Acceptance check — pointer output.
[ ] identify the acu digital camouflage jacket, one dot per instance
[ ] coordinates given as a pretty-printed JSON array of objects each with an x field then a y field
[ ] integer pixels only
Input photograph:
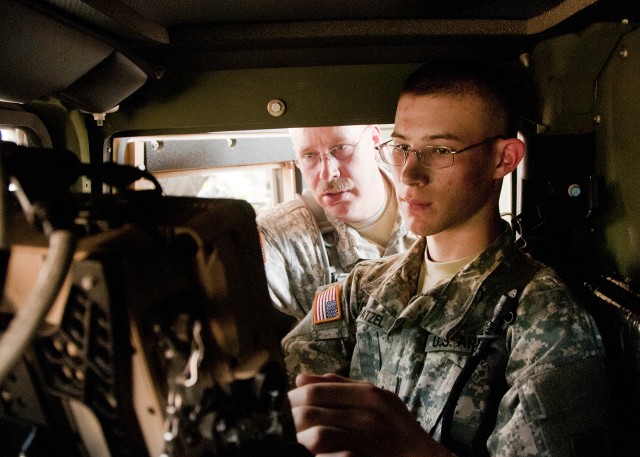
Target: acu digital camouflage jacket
[{"x": 550, "y": 362}]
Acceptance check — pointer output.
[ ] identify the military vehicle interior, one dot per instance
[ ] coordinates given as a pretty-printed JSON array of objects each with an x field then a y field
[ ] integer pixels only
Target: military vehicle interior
[{"x": 113, "y": 341}]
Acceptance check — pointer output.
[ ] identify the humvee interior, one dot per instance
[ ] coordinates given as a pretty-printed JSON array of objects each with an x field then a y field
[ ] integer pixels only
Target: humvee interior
[{"x": 134, "y": 318}]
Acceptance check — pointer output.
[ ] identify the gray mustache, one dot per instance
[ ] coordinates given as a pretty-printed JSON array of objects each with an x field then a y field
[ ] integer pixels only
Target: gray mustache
[{"x": 335, "y": 185}]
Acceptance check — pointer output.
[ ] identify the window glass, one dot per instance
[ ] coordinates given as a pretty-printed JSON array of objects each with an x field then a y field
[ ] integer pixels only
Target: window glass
[
  {"x": 13, "y": 135},
  {"x": 249, "y": 165},
  {"x": 254, "y": 184}
]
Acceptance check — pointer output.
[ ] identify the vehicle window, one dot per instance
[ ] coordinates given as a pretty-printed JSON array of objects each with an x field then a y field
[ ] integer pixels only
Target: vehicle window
[
  {"x": 261, "y": 185},
  {"x": 250, "y": 165},
  {"x": 13, "y": 135}
]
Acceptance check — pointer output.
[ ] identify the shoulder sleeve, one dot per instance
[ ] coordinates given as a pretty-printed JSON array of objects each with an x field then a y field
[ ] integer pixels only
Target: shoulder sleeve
[
  {"x": 322, "y": 342},
  {"x": 277, "y": 278},
  {"x": 292, "y": 259},
  {"x": 557, "y": 397}
]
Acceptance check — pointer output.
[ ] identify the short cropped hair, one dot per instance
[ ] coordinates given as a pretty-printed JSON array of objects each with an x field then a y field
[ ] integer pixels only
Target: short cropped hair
[{"x": 460, "y": 77}]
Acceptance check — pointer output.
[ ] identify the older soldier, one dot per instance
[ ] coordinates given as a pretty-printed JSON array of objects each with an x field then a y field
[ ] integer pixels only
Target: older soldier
[
  {"x": 355, "y": 209},
  {"x": 405, "y": 329}
]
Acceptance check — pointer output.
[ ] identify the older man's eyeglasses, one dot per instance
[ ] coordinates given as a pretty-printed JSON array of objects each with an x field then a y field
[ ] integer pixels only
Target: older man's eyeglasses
[
  {"x": 428, "y": 156},
  {"x": 340, "y": 152}
]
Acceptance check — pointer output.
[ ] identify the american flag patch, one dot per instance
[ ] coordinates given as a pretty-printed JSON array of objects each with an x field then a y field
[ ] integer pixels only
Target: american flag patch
[{"x": 326, "y": 305}]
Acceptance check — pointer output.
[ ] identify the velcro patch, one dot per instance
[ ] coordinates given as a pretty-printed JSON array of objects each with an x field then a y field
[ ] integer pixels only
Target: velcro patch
[
  {"x": 462, "y": 344},
  {"x": 373, "y": 317},
  {"x": 326, "y": 305}
]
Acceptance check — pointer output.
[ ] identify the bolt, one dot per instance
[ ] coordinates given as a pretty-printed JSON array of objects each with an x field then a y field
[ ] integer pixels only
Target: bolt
[{"x": 87, "y": 283}]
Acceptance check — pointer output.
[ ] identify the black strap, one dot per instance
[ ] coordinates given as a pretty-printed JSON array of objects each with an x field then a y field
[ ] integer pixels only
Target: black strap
[
  {"x": 328, "y": 235},
  {"x": 503, "y": 313}
]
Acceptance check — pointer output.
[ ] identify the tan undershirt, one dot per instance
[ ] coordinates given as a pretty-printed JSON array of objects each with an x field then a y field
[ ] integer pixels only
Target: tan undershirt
[{"x": 434, "y": 273}]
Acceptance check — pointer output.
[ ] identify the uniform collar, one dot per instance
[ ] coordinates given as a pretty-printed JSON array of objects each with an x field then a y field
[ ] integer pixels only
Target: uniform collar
[{"x": 445, "y": 308}]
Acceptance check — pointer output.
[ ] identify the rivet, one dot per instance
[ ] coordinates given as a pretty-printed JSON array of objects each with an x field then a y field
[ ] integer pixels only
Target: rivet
[
  {"x": 276, "y": 107},
  {"x": 87, "y": 283}
]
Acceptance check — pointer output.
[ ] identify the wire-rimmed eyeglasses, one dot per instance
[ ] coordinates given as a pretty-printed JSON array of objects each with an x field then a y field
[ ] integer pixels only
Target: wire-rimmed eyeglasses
[
  {"x": 428, "y": 156},
  {"x": 340, "y": 152}
]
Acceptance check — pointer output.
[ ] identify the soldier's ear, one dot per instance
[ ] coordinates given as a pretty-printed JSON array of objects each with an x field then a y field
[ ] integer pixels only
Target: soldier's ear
[
  {"x": 510, "y": 152},
  {"x": 376, "y": 134},
  {"x": 376, "y": 138}
]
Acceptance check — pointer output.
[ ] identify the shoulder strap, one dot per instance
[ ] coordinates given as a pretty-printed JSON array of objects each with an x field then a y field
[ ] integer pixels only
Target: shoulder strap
[
  {"x": 318, "y": 212},
  {"x": 327, "y": 234}
]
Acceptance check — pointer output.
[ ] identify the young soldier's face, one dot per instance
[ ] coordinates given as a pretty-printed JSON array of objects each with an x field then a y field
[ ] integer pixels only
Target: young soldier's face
[
  {"x": 444, "y": 200},
  {"x": 345, "y": 187}
]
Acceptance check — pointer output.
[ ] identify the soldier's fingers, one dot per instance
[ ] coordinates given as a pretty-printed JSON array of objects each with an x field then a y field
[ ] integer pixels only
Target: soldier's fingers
[
  {"x": 304, "y": 379},
  {"x": 330, "y": 441},
  {"x": 332, "y": 394},
  {"x": 305, "y": 417}
]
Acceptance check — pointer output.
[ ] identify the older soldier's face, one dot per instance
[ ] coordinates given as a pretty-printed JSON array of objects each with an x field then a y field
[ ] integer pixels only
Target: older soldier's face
[
  {"x": 343, "y": 184},
  {"x": 462, "y": 196}
]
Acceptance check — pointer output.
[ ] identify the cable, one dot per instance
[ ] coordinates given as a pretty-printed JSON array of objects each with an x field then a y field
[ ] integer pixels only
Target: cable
[
  {"x": 27, "y": 320},
  {"x": 504, "y": 312}
]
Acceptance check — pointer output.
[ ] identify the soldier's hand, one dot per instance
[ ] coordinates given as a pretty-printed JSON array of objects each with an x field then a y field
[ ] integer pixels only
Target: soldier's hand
[{"x": 336, "y": 416}]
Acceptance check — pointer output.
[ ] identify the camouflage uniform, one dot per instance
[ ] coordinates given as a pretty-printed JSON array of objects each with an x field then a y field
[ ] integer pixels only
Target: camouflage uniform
[
  {"x": 294, "y": 258},
  {"x": 415, "y": 345}
]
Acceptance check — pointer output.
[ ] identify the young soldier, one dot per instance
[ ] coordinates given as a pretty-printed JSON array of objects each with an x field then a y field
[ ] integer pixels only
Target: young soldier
[{"x": 402, "y": 328}]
